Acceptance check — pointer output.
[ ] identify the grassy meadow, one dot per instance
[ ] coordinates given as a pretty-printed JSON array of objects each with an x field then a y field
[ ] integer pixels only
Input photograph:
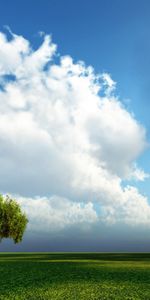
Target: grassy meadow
[{"x": 74, "y": 276}]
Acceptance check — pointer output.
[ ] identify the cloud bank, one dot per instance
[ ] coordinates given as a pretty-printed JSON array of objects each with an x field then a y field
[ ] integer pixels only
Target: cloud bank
[{"x": 68, "y": 145}]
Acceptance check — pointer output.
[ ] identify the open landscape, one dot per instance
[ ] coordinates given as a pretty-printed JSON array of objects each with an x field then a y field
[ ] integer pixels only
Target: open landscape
[{"x": 85, "y": 276}]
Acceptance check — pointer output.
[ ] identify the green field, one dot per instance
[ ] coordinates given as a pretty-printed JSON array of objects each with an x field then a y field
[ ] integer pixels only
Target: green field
[{"x": 75, "y": 276}]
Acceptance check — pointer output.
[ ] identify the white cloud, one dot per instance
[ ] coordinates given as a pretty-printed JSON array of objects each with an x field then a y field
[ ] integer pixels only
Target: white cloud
[
  {"x": 132, "y": 208},
  {"x": 108, "y": 83},
  {"x": 60, "y": 136},
  {"x": 56, "y": 213}
]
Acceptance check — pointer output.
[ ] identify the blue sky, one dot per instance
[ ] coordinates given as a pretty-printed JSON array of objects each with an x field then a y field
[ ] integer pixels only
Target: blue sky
[
  {"x": 114, "y": 38},
  {"x": 110, "y": 35}
]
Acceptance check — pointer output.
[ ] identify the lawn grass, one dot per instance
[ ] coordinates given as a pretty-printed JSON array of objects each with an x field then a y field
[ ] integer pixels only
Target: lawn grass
[{"x": 74, "y": 276}]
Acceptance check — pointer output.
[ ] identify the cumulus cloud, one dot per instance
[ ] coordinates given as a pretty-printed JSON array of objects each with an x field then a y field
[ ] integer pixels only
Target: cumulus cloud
[
  {"x": 64, "y": 132},
  {"x": 57, "y": 213}
]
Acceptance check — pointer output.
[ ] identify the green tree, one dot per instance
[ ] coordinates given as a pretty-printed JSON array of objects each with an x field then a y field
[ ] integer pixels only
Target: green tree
[{"x": 12, "y": 220}]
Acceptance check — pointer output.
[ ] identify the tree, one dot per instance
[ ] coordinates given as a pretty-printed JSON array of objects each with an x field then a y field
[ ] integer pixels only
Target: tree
[{"x": 12, "y": 220}]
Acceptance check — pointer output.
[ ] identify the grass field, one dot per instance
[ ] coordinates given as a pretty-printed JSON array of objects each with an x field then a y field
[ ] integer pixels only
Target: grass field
[{"x": 73, "y": 276}]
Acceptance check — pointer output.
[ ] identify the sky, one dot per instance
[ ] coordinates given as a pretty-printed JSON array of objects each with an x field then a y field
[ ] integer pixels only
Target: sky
[{"x": 74, "y": 122}]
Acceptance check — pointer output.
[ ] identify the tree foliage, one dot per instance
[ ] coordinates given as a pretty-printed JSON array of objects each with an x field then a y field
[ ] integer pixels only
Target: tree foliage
[{"x": 12, "y": 220}]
